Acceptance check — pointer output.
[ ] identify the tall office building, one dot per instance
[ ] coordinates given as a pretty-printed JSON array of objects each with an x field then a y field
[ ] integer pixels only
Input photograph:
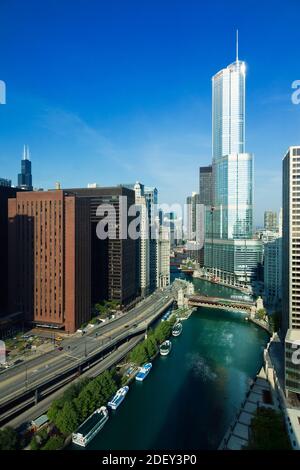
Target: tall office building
[
  {"x": 114, "y": 260},
  {"x": 291, "y": 267},
  {"x": 144, "y": 242},
  {"x": 6, "y": 192},
  {"x": 151, "y": 195},
  {"x": 169, "y": 220},
  {"x": 5, "y": 182},
  {"x": 270, "y": 221},
  {"x": 230, "y": 252},
  {"x": 192, "y": 203},
  {"x": 50, "y": 258},
  {"x": 205, "y": 185},
  {"x": 163, "y": 258},
  {"x": 25, "y": 177},
  {"x": 273, "y": 271}
]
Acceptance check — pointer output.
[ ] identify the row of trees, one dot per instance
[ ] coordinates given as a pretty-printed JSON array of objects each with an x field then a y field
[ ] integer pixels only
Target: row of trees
[
  {"x": 104, "y": 308},
  {"x": 146, "y": 350},
  {"x": 80, "y": 400}
]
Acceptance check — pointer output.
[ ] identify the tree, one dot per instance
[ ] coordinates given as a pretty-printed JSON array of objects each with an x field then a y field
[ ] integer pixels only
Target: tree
[
  {"x": 9, "y": 439},
  {"x": 55, "y": 409},
  {"x": 139, "y": 354},
  {"x": 151, "y": 346},
  {"x": 54, "y": 443},
  {"x": 268, "y": 431},
  {"x": 261, "y": 313},
  {"x": 67, "y": 420},
  {"x": 34, "y": 445}
]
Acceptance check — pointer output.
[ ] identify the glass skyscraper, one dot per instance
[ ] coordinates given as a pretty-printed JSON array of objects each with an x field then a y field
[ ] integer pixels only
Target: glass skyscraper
[{"x": 229, "y": 221}]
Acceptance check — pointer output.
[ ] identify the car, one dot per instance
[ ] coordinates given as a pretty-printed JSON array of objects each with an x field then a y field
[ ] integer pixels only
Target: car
[{"x": 60, "y": 348}]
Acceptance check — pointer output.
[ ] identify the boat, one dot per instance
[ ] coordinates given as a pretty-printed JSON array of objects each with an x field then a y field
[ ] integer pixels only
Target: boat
[
  {"x": 165, "y": 348},
  {"x": 118, "y": 398},
  {"x": 177, "y": 329},
  {"x": 143, "y": 372},
  {"x": 90, "y": 427}
]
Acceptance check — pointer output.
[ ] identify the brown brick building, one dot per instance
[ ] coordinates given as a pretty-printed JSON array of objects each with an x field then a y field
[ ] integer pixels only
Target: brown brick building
[{"x": 50, "y": 258}]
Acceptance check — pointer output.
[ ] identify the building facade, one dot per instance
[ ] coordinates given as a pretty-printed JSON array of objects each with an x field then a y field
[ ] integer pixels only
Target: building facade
[
  {"x": 270, "y": 221},
  {"x": 163, "y": 258},
  {"x": 229, "y": 247},
  {"x": 273, "y": 271},
  {"x": 5, "y": 182},
  {"x": 291, "y": 267},
  {"x": 151, "y": 195},
  {"x": 115, "y": 257},
  {"x": 6, "y": 193},
  {"x": 205, "y": 185},
  {"x": 144, "y": 242},
  {"x": 50, "y": 258}
]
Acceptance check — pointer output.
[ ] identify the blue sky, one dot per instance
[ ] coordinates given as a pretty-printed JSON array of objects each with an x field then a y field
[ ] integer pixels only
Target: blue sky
[{"x": 119, "y": 91}]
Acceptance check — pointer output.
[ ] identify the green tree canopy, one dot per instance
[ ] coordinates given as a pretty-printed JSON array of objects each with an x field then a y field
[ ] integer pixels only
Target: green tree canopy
[
  {"x": 9, "y": 439},
  {"x": 268, "y": 431}
]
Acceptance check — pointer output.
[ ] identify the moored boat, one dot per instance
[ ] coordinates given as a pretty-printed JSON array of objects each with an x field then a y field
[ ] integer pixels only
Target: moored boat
[
  {"x": 143, "y": 372},
  {"x": 118, "y": 398},
  {"x": 165, "y": 348},
  {"x": 90, "y": 427},
  {"x": 177, "y": 329}
]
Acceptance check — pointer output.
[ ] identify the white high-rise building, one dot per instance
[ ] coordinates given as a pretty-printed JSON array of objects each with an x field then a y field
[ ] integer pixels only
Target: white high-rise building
[
  {"x": 144, "y": 258},
  {"x": 291, "y": 267}
]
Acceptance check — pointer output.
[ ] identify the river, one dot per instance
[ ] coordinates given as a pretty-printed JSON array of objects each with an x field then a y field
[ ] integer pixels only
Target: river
[{"x": 190, "y": 397}]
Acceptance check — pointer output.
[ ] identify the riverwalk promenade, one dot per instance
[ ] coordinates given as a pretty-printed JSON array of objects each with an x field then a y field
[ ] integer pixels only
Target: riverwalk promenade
[{"x": 259, "y": 394}]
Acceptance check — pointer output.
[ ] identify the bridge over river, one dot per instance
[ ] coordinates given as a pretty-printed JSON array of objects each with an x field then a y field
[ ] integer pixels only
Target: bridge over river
[{"x": 217, "y": 302}]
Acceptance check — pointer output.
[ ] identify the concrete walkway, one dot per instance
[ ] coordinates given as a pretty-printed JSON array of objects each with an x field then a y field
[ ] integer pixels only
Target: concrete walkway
[{"x": 237, "y": 436}]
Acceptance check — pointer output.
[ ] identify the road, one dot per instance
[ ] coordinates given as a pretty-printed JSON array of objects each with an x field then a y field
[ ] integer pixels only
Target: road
[
  {"x": 29, "y": 375},
  {"x": 42, "y": 407}
]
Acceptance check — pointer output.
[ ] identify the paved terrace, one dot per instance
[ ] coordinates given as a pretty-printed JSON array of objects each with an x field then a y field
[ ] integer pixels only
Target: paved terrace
[{"x": 259, "y": 394}]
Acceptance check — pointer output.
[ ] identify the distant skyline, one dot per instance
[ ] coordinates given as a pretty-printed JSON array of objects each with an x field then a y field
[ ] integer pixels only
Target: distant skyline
[{"x": 111, "y": 92}]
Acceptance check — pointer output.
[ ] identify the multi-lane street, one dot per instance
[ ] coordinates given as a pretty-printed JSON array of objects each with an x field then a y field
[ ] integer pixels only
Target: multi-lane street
[{"x": 78, "y": 349}]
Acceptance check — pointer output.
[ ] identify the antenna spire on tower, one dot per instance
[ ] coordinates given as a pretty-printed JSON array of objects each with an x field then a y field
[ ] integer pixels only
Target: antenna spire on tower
[{"x": 237, "y": 45}]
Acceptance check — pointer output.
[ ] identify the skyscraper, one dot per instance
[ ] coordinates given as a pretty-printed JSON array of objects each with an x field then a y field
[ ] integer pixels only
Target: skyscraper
[
  {"x": 6, "y": 192},
  {"x": 25, "y": 177},
  {"x": 50, "y": 258},
  {"x": 229, "y": 251},
  {"x": 291, "y": 267},
  {"x": 144, "y": 243},
  {"x": 5, "y": 182},
  {"x": 270, "y": 221},
  {"x": 151, "y": 195},
  {"x": 114, "y": 274},
  {"x": 228, "y": 108},
  {"x": 205, "y": 185}
]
